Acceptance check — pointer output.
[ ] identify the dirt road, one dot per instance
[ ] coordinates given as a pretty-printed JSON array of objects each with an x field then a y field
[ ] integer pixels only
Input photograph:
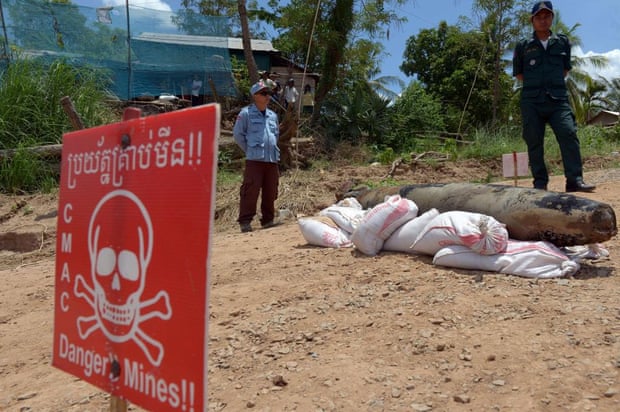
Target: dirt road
[{"x": 301, "y": 328}]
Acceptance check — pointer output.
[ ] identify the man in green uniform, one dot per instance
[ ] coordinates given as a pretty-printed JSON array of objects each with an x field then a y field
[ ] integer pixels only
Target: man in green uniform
[{"x": 541, "y": 63}]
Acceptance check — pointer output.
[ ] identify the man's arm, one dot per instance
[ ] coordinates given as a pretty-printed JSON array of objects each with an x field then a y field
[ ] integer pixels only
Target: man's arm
[
  {"x": 517, "y": 61},
  {"x": 567, "y": 54},
  {"x": 240, "y": 129}
]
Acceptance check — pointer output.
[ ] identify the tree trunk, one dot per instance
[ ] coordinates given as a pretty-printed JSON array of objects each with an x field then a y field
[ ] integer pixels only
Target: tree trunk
[
  {"x": 340, "y": 25},
  {"x": 290, "y": 157},
  {"x": 498, "y": 58},
  {"x": 247, "y": 42}
]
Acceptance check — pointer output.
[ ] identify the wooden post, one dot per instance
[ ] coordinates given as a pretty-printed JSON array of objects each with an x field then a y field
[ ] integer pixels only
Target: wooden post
[
  {"x": 131, "y": 113},
  {"x": 213, "y": 90},
  {"x": 118, "y": 404},
  {"x": 514, "y": 163},
  {"x": 74, "y": 117}
]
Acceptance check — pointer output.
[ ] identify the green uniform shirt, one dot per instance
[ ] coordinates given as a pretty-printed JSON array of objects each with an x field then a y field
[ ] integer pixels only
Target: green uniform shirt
[{"x": 543, "y": 69}]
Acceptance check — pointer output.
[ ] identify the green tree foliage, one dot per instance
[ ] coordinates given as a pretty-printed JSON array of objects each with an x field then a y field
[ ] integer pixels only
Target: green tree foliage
[
  {"x": 189, "y": 20},
  {"x": 585, "y": 93},
  {"x": 304, "y": 27},
  {"x": 500, "y": 22},
  {"x": 37, "y": 24},
  {"x": 299, "y": 27},
  {"x": 58, "y": 26},
  {"x": 612, "y": 94},
  {"x": 339, "y": 25},
  {"x": 339, "y": 39},
  {"x": 457, "y": 67},
  {"x": 589, "y": 99},
  {"x": 415, "y": 111},
  {"x": 358, "y": 115},
  {"x": 316, "y": 36}
]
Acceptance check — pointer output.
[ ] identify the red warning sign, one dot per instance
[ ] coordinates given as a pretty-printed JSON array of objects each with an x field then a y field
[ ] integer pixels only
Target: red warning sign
[{"x": 136, "y": 206}]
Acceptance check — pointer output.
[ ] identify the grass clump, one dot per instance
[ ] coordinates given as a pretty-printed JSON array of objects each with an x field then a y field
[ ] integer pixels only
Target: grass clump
[{"x": 31, "y": 115}]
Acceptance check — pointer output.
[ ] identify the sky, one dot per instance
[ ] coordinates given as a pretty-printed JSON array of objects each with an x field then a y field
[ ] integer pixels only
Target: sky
[{"x": 599, "y": 26}]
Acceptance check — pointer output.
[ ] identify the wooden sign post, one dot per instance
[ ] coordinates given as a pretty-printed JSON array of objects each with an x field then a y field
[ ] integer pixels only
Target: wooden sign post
[{"x": 514, "y": 165}]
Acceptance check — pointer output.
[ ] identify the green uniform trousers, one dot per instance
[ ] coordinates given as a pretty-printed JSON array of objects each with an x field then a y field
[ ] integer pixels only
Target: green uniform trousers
[{"x": 559, "y": 115}]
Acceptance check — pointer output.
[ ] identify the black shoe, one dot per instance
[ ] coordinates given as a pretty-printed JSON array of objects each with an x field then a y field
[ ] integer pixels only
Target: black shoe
[
  {"x": 245, "y": 227},
  {"x": 541, "y": 187},
  {"x": 579, "y": 186}
]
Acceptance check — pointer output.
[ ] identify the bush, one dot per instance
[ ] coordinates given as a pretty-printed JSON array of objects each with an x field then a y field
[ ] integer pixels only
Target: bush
[
  {"x": 31, "y": 115},
  {"x": 23, "y": 172},
  {"x": 414, "y": 111}
]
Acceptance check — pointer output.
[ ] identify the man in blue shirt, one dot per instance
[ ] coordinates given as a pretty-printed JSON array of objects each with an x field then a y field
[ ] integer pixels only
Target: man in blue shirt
[
  {"x": 257, "y": 131},
  {"x": 542, "y": 62}
]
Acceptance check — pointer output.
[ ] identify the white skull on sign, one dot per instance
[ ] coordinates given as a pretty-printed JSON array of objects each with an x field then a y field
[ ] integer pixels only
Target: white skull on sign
[
  {"x": 120, "y": 244},
  {"x": 120, "y": 252}
]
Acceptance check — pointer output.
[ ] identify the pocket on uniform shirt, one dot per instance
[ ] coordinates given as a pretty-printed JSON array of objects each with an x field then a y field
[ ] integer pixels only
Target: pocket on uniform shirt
[
  {"x": 256, "y": 126},
  {"x": 557, "y": 58},
  {"x": 532, "y": 62},
  {"x": 255, "y": 152},
  {"x": 255, "y": 139}
]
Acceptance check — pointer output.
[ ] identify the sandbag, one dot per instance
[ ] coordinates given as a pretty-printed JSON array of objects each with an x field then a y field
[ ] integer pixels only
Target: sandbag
[
  {"x": 347, "y": 218},
  {"x": 403, "y": 237},
  {"x": 593, "y": 251},
  {"x": 381, "y": 221},
  {"x": 481, "y": 233},
  {"x": 322, "y": 231},
  {"x": 350, "y": 202},
  {"x": 521, "y": 258}
]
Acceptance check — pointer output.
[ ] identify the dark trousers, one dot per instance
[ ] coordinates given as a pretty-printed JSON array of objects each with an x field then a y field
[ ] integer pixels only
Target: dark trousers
[
  {"x": 558, "y": 114},
  {"x": 263, "y": 178},
  {"x": 197, "y": 100}
]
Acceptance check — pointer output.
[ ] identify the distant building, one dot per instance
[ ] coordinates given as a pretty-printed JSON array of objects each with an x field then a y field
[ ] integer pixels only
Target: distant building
[
  {"x": 605, "y": 118},
  {"x": 172, "y": 59},
  {"x": 283, "y": 69}
]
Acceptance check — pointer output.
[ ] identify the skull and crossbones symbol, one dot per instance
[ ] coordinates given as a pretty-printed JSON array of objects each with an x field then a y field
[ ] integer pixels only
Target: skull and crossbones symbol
[{"x": 120, "y": 244}]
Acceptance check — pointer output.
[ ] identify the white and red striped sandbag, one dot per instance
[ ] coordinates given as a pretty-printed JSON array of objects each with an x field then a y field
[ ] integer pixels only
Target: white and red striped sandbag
[
  {"x": 481, "y": 233},
  {"x": 521, "y": 258},
  {"x": 322, "y": 231},
  {"x": 350, "y": 202},
  {"x": 347, "y": 218},
  {"x": 381, "y": 221},
  {"x": 403, "y": 237}
]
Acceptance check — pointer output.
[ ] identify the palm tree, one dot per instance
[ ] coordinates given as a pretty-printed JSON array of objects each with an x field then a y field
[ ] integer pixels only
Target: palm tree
[
  {"x": 381, "y": 86},
  {"x": 584, "y": 92},
  {"x": 591, "y": 99},
  {"x": 613, "y": 94}
]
